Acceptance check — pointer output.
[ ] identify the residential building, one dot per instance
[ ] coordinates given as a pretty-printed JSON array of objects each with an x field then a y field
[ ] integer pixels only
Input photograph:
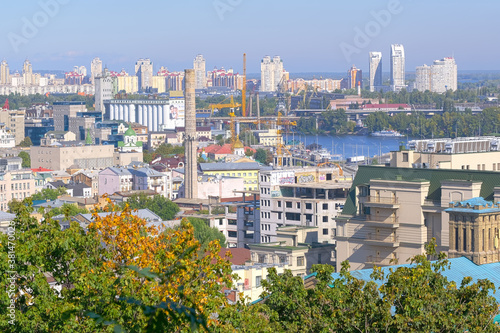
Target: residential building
[
  {"x": 144, "y": 71},
  {"x": 7, "y": 139},
  {"x": 125, "y": 82},
  {"x": 62, "y": 156},
  {"x": 14, "y": 122},
  {"x": 375, "y": 71},
  {"x": 308, "y": 196},
  {"x": 104, "y": 89},
  {"x": 15, "y": 182},
  {"x": 115, "y": 179},
  {"x": 391, "y": 213},
  {"x": 95, "y": 69},
  {"x": 89, "y": 178},
  {"x": 4, "y": 73},
  {"x": 248, "y": 171},
  {"x": 271, "y": 73},
  {"x": 199, "y": 72},
  {"x": 468, "y": 153},
  {"x": 397, "y": 67},
  {"x": 57, "y": 136},
  {"x": 216, "y": 186},
  {"x": 5, "y": 220},
  {"x": 475, "y": 230},
  {"x": 76, "y": 190},
  {"x": 147, "y": 178},
  {"x": 354, "y": 78},
  {"x": 439, "y": 77},
  {"x": 296, "y": 246},
  {"x": 250, "y": 277}
]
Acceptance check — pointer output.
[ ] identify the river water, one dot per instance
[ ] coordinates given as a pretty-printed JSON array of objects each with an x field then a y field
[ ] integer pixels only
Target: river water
[{"x": 351, "y": 145}]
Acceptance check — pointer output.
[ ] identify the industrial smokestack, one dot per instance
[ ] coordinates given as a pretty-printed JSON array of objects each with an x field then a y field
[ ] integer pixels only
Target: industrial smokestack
[{"x": 191, "y": 169}]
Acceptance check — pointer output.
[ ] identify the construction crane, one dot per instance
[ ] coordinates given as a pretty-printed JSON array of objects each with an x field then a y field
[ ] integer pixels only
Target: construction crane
[
  {"x": 244, "y": 88},
  {"x": 280, "y": 147},
  {"x": 231, "y": 105},
  {"x": 341, "y": 171}
]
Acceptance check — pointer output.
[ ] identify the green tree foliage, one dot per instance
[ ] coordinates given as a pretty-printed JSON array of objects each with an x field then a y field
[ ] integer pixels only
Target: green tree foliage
[
  {"x": 168, "y": 150},
  {"x": 68, "y": 210},
  {"x": 26, "y": 142},
  {"x": 261, "y": 155},
  {"x": 249, "y": 153},
  {"x": 49, "y": 194},
  {"x": 17, "y": 101},
  {"x": 205, "y": 234},
  {"x": 158, "y": 204},
  {"x": 410, "y": 299},
  {"x": 26, "y": 163}
]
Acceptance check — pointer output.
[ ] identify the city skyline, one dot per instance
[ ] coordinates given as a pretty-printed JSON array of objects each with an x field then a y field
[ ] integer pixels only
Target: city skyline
[{"x": 57, "y": 43}]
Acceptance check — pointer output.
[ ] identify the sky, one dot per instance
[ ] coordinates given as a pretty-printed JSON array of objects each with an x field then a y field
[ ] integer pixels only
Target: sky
[{"x": 310, "y": 36}]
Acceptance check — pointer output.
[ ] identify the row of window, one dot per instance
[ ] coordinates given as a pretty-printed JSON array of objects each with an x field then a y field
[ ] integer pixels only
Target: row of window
[
  {"x": 238, "y": 174},
  {"x": 17, "y": 186}
]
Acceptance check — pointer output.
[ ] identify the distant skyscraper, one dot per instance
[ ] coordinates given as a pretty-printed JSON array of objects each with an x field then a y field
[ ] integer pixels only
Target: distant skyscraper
[
  {"x": 271, "y": 73},
  {"x": 144, "y": 71},
  {"x": 375, "y": 70},
  {"x": 200, "y": 72},
  {"x": 439, "y": 77},
  {"x": 354, "y": 78},
  {"x": 27, "y": 73},
  {"x": 397, "y": 67},
  {"x": 4, "y": 73},
  {"x": 95, "y": 69}
]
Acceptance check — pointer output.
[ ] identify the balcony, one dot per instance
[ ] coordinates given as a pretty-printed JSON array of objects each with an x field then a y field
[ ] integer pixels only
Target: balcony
[
  {"x": 248, "y": 224},
  {"x": 380, "y": 261},
  {"x": 389, "y": 222},
  {"x": 382, "y": 240},
  {"x": 376, "y": 201}
]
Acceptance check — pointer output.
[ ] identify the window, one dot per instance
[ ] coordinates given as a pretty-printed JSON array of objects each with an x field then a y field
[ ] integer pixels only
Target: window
[
  {"x": 325, "y": 206},
  {"x": 288, "y": 204},
  {"x": 244, "y": 174},
  {"x": 258, "y": 280},
  {"x": 232, "y": 234},
  {"x": 300, "y": 261},
  {"x": 405, "y": 157},
  {"x": 279, "y": 204},
  {"x": 298, "y": 205},
  {"x": 231, "y": 222},
  {"x": 325, "y": 231},
  {"x": 308, "y": 205},
  {"x": 325, "y": 218},
  {"x": 220, "y": 221}
]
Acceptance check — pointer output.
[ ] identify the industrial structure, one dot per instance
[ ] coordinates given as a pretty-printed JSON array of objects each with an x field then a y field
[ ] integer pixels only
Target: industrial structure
[{"x": 191, "y": 173}]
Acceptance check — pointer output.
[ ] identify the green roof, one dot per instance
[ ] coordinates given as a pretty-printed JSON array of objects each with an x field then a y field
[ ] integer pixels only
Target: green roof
[
  {"x": 365, "y": 173},
  {"x": 130, "y": 132}
]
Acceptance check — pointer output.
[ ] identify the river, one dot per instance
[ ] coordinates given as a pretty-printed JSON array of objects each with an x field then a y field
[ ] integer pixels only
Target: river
[{"x": 351, "y": 145}]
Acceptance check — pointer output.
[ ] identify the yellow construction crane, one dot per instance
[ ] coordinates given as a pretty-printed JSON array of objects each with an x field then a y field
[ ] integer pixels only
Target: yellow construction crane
[{"x": 232, "y": 105}]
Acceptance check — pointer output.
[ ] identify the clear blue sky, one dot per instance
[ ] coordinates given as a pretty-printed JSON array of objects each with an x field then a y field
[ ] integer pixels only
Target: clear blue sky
[{"x": 307, "y": 34}]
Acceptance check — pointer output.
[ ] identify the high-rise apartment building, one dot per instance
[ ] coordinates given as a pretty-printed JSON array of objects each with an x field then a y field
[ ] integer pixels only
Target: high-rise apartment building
[
  {"x": 144, "y": 71},
  {"x": 271, "y": 73},
  {"x": 375, "y": 70},
  {"x": 4, "y": 73},
  {"x": 439, "y": 77},
  {"x": 103, "y": 89},
  {"x": 27, "y": 73},
  {"x": 397, "y": 67},
  {"x": 199, "y": 72},
  {"x": 95, "y": 69},
  {"x": 354, "y": 78}
]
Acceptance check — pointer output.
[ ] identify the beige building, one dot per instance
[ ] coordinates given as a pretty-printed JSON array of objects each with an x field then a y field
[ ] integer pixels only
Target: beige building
[
  {"x": 14, "y": 120},
  {"x": 475, "y": 229},
  {"x": 127, "y": 83},
  {"x": 268, "y": 138},
  {"x": 472, "y": 153},
  {"x": 159, "y": 83},
  {"x": 250, "y": 276},
  {"x": 62, "y": 157},
  {"x": 391, "y": 213},
  {"x": 298, "y": 247},
  {"x": 15, "y": 182}
]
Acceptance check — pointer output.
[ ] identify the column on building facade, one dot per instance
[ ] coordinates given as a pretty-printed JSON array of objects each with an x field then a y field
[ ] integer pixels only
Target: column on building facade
[
  {"x": 468, "y": 237},
  {"x": 111, "y": 112},
  {"x": 132, "y": 113},
  {"x": 453, "y": 236},
  {"x": 120, "y": 115},
  {"x": 156, "y": 117},
  {"x": 125, "y": 112},
  {"x": 150, "y": 118},
  {"x": 140, "y": 114},
  {"x": 460, "y": 238},
  {"x": 165, "y": 114},
  {"x": 159, "y": 109}
]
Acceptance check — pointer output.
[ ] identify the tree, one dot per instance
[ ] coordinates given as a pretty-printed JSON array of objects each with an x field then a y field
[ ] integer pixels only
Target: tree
[
  {"x": 120, "y": 274},
  {"x": 26, "y": 163},
  {"x": 249, "y": 152},
  {"x": 158, "y": 204},
  {"x": 206, "y": 234},
  {"x": 49, "y": 194},
  {"x": 26, "y": 142},
  {"x": 68, "y": 210},
  {"x": 261, "y": 155}
]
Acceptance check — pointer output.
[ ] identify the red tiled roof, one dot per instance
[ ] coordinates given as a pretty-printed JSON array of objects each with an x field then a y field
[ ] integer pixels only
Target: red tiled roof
[
  {"x": 40, "y": 169},
  {"x": 239, "y": 255}
]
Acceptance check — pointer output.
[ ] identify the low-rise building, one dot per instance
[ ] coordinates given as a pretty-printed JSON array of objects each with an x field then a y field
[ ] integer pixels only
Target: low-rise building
[
  {"x": 15, "y": 182},
  {"x": 248, "y": 171},
  {"x": 296, "y": 246}
]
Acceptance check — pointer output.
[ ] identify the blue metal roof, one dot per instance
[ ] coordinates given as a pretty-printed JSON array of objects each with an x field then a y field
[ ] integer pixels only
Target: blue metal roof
[
  {"x": 469, "y": 206},
  {"x": 459, "y": 269}
]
